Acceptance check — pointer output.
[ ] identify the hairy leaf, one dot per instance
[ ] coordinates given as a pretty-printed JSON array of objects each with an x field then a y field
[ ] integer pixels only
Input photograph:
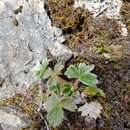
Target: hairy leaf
[
  {"x": 55, "y": 116},
  {"x": 51, "y": 102},
  {"x": 101, "y": 93},
  {"x": 83, "y": 68},
  {"x": 67, "y": 90},
  {"x": 88, "y": 79},
  {"x": 47, "y": 73},
  {"x": 72, "y": 72},
  {"x": 58, "y": 68},
  {"x": 55, "y": 88},
  {"x": 54, "y": 107},
  {"x": 54, "y": 76},
  {"x": 40, "y": 68},
  {"x": 68, "y": 104},
  {"x": 82, "y": 73},
  {"x": 92, "y": 109}
]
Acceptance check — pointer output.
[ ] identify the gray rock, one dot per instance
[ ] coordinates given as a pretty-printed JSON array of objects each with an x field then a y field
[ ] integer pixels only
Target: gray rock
[
  {"x": 12, "y": 119},
  {"x": 108, "y": 8},
  {"x": 25, "y": 37}
]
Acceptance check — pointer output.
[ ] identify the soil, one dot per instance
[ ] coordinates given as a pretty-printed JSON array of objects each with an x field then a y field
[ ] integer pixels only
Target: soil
[{"x": 98, "y": 41}]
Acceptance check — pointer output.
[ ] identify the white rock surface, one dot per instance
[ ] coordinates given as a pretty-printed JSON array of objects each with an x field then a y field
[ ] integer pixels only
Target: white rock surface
[
  {"x": 109, "y": 8},
  {"x": 24, "y": 39},
  {"x": 11, "y": 119}
]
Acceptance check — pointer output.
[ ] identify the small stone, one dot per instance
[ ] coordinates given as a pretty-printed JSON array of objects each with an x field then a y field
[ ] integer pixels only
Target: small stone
[
  {"x": 12, "y": 119},
  {"x": 90, "y": 122}
]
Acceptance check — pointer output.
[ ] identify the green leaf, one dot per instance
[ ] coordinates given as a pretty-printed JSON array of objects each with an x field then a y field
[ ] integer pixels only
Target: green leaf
[
  {"x": 55, "y": 88},
  {"x": 40, "y": 69},
  {"x": 83, "y": 68},
  {"x": 68, "y": 90},
  {"x": 53, "y": 80},
  {"x": 72, "y": 72},
  {"x": 55, "y": 116},
  {"x": 101, "y": 93},
  {"x": 51, "y": 102},
  {"x": 94, "y": 91},
  {"x": 54, "y": 76},
  {"x": 47, "y": 73},
  {"x": 68, "y": 104},
  {"x": 82, "y": 73},
  {"x": 57, "y": 69},
  {"x": 89, "y": 79}
]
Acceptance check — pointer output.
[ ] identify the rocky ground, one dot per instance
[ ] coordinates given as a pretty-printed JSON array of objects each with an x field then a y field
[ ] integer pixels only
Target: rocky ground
[{"x": 69, "y": 31}]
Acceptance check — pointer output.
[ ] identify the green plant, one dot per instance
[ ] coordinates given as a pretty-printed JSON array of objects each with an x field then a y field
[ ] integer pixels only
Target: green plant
[
  {"x": 60, "y": 92},
  {"x": 94, "y": 91},
  {"x": 40, "y": 69},
  {"x": 54, "y": 107},
  {"x": 82, "y": 73}
]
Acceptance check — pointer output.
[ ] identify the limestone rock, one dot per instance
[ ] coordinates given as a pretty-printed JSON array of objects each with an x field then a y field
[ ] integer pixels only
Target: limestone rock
[
  {"x": 26, "y": 34},
  {"x": 12, "y": 119}
]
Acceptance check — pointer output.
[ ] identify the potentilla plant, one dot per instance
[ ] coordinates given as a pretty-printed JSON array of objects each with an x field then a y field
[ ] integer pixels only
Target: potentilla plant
[{"x": 60, "y": 92}]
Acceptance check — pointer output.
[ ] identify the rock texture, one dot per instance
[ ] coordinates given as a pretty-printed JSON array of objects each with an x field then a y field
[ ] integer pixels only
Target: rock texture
[
  {"x": 109, "y": 8},
  {"x": 11, "y": 119},
  {"x": 26, "y": 35}
]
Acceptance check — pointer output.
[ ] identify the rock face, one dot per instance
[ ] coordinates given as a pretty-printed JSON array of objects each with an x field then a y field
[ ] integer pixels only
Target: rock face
[
  {"x": 109, "y": 8},
  {"x": 26, "y": 34},
  {"x": 11, "y": 119}
]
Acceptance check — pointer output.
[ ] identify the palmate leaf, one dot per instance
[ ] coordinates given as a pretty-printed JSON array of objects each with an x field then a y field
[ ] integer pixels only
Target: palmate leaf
[
  {"x": 82, "y": 73},
  {"x": 47, "y": 73},
  {"x": 54, "y": 107},
  {"x": 55, "y": 88},
  {"x": 51, "y": 102},
  {"x": 88, "y": 79},
  {"x": 68, "y": 104},
  {"x": 72, "y": 72},
  {"x": 92, "y": 109},
  {"x": 53, "y": 75},
  {"x": 40, "y": 68},
  {"x": 58, "y": 68},
  {"x": 83, "y": 68},
  {"x": 55, "y": 116}
]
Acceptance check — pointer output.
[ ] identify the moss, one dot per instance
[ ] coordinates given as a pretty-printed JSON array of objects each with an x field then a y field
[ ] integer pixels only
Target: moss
[
  {"x": 33, "y": 126},
  {"x": 65, "y": 16},
  {"x": 25, "y": 103},
  {"x": 20, "y": 101},
  {"x": 85, "y": 35}
]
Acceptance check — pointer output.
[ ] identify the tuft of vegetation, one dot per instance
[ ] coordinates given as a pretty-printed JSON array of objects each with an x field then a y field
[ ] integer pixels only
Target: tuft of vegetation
[{"x": 61, "y": 91}]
